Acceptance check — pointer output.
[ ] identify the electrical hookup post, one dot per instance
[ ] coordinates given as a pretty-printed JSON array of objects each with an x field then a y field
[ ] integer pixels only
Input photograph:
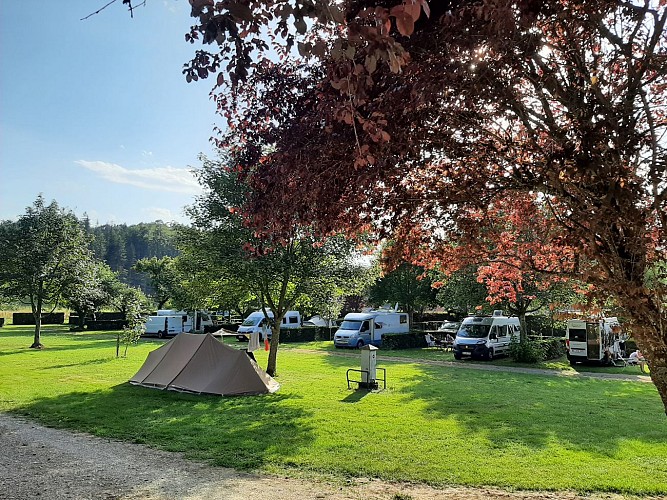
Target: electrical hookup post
[{"x": 368, "y": 373}]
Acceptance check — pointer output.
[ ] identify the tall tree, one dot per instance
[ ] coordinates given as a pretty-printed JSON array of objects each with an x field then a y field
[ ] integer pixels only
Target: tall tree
[
  {"x": 408, "y": 285},
  {"x": 281, "y": 273},
  {"x": 90, "y": 290},
  {"x": 418, "y": 113},
  {"x": 163, "y": 277},
  {"x": 41, "y": 254}
]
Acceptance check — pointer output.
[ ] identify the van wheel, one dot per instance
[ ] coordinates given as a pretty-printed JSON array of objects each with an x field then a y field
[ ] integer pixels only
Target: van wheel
[
  {"x": 160, "y": 334},
  {"x": 360, "y": 344},
  {"x": 489, "y": 355},
  {"x": 457, "y": 355}
]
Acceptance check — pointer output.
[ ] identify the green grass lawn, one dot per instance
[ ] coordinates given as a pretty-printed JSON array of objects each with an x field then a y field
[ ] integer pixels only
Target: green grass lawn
[{"x": 434, "y": 424}]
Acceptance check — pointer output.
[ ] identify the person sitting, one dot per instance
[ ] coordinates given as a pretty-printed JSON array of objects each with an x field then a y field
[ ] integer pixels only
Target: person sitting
[
  {"x": 635, "y": 357},
  {"x": 449, "y": 339},
  {"x": 430, "y": 340}
]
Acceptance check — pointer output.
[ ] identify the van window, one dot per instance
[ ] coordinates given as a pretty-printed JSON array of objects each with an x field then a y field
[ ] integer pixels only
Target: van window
[
  {"x": 403, "y": 319},
  {"x": 293, "y": 320},
  {"x": 502, "y": 331},
  {"x": 577, "y": 334},
  {"x": 473, "y": 331},
  {"x": 350, "y": 325},
  {"x": 250, "y": 321},
  {"x": 364, "y": 326}
]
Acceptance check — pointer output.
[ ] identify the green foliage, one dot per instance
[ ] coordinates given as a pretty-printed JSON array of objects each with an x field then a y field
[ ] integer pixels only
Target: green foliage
[
  {"x": 403, "y": 341},
  {"x": 552, "y": 348},
  {"x": 43, "y": 254},
  {"x": 526, "y": 351},
  {"x": 135, "y": 325},
  {"x": 162, "y": 275},
  {"x": 461, "y": 292},
  {"x": 121, "y": 246},
  {"x": 281, "y": 272},
  {"x": 406, "y": 285},
  {"x": 305, "y": 334}
]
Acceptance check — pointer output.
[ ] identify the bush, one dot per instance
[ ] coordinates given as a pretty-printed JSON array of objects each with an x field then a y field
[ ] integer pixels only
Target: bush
[
  {"x": 403, "y": 340},
  {"x": 553, "y": 348},
  {"x": 534, "y": 351},
  {"x": 529, "y": 351}
]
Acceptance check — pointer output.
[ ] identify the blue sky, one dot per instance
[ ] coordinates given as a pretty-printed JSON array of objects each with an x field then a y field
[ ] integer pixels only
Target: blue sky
[{"x": 96, "y": 114}]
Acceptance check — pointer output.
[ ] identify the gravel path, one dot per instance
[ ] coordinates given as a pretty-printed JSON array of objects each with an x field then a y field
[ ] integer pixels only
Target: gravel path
[{"x": 40, "y": 462}]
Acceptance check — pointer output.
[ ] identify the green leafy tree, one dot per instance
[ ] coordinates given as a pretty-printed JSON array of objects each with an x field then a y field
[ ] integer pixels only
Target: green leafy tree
[
  {"x": 42, "y": 254},
  {"x": 163, "y": 277},
  {"x": 462, "y": 292},
  {"x": 282, "y": 273},
  {"x": 406, "y": 285},
  {"x": 91, "y": 290}
]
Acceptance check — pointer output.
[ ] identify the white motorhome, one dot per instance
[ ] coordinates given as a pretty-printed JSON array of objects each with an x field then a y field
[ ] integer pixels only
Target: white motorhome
[
  {"x": 587, "y": 340},
  {"x": 256, "y": 322},
  {"x": 485, "y": 337},
  {"x": 359, "y": 329},
  {"x": 180, "y": 321}
]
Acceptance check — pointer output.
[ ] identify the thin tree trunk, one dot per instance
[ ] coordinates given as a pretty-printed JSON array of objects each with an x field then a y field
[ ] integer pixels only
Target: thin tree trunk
[{"x": 37, "y": 314}]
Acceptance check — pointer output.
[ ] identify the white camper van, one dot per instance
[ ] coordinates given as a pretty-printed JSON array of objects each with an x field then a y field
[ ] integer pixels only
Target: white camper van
[
  {"x": 168, "y": 322},
  {"x": 256, "y": 322},
  {"x": 359, "y": 329},
  {"x": 588, "y": 339},
  {"x": 164, "y": 326},
  {"x": 485, "y": 337}
]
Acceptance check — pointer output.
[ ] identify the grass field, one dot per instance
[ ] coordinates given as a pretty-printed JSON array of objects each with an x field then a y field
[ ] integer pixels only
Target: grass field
[{"x": 436, "y": 425}]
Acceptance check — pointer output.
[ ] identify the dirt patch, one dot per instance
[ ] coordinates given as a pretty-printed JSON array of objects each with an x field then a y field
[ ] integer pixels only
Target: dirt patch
[{"x": 40, "y": 462}]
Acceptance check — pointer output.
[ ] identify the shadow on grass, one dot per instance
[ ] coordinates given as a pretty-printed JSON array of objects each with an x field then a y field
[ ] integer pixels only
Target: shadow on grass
[
  {"x": 243, "y": 432},
  {"x": 510, "y": 409},
  {"x": 534, "y": 411}
]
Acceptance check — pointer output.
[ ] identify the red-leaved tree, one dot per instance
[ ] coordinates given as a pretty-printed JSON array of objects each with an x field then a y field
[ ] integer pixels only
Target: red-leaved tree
[{"x": 401, "y": 116}]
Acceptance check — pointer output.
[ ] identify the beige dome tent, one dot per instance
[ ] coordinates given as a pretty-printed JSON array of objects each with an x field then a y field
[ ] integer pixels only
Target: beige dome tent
[{"x": 203, "y": 365}]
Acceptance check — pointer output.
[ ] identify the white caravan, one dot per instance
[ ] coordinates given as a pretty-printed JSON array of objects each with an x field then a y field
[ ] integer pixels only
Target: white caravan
[
  {"x": 359, "y": 329},
  {"x": 587, "y": 340},
  {"x": 485, "y": 337},
  {"x": 256, "y": 322}
]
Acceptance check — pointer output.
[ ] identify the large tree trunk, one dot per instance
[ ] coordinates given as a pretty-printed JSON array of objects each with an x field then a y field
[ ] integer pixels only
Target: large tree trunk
[
  {"x": 273, "y": 352},
  {"x": 649, "y": 329}
]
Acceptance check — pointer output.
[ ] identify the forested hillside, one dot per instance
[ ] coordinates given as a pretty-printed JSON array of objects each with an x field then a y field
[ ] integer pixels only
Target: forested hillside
[{"x": 120, "y": 246}]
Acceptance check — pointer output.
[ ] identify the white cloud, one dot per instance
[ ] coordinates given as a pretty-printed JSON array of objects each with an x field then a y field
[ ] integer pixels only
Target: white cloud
[{"x": 170, "y": 179}]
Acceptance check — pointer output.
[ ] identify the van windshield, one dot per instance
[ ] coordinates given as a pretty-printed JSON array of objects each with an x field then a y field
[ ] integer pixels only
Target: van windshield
[
  {"x": 351, "y": 325},
  {"x": 473, "y": 331},
  {"x": 250, "y": 322}
]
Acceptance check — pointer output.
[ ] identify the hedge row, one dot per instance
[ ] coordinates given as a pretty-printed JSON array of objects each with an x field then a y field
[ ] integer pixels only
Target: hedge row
[
  {"x": 111, "y": 324},
  {"x": 304, "y": 334},
  {"x": 403, "y": 341},
  {"x": 47, "y": 319}
]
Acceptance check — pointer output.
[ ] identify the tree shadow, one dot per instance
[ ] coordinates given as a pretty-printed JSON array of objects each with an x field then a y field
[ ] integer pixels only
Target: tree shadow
[
  {"x": 535, "y": 411},
  {"x": 243, "y": 432},
  {"x": 510, "y": 409}
]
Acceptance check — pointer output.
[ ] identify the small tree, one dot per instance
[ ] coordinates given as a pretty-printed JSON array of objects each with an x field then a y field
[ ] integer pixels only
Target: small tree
[
  {"x": 41, "y": 254},
  {"x": 135, "y": 325}
]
